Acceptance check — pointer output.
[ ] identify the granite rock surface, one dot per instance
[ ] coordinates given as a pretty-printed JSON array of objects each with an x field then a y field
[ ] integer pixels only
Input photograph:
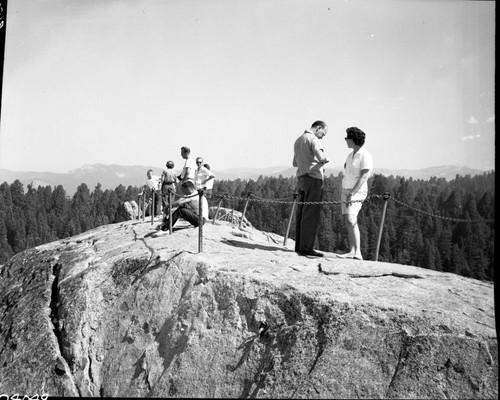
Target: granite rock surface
[{"x": 124, "y": 311}]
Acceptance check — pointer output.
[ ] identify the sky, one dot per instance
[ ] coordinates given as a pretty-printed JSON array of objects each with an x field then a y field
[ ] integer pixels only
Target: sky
[{"x": 129, "y": 82}]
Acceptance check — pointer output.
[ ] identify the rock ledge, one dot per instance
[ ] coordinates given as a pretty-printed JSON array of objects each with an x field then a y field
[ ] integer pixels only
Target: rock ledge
[{"x": 118, "y": 312}]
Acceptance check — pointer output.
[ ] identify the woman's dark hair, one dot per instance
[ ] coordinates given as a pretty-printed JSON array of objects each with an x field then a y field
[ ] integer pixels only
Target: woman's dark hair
[{"x": 357, "y": 136}]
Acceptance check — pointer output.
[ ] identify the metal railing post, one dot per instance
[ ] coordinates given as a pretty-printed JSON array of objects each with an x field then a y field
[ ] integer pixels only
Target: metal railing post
[
  {"x": 200, "y": 221},
  {"x": 143, "y": 206},
  {"x": 161, "y": 201},
  {"x": 244, "y": 209},
  {"x": 170, "y": 199},
  {"x": 291, "y": 216},
  {"x": 153, "y": 195},
  {"x": 217, "y": 212},
  {"x": 139, "y": 206},
  {"x": 386, "y": 197}
]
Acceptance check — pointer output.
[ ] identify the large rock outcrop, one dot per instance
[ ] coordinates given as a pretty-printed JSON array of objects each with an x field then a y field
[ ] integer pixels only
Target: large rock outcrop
[
  {"x": 116, "y": 311},
  {"x": 127, "y": 211}
]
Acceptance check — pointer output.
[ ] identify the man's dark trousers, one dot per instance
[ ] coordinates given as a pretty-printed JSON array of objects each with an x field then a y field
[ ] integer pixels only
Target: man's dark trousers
[
  {"x": 185, "y": 213},
  {"x": 157, "y": 196},
  {"x": 308, "y": 215}
]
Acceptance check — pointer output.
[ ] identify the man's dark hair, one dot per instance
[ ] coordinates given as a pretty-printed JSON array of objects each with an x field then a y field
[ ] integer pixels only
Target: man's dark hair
[
  {"x": 357, "y": 136},
  {"x": 190, "y": 184},
  {"x": 185, "y": 149},
  {"x": 321, "y": 124}
]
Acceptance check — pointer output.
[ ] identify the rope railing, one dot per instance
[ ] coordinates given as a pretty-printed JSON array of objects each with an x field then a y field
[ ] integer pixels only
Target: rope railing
[
  {"x": 290, "y": 200},
  {"x": 180, "y": 196},
  {"x": 338, "y": 202},
  {"x": 440, "y": 216},
  {"x": 293, "y": 201}
]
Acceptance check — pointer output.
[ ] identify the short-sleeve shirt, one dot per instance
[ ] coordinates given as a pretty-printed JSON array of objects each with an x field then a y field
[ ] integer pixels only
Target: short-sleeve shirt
[
  {"x": 153, "y": 182},
  {"x": 305, "y": 149},
  {"x": 201, "y": 175},
  {"x": 190, "y": 163},
  {"x": 354, "y": 164},
  {"x": 194, "y": 205},
  {"x": 169, "y": 176}
]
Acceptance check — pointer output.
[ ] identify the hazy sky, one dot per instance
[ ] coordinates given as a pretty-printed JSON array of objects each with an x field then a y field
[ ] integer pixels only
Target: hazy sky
[{"x": 130, "y": 82}]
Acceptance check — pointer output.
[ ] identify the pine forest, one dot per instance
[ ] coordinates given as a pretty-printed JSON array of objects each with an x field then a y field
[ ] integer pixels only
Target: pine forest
[{"x": 435, "y": 224}]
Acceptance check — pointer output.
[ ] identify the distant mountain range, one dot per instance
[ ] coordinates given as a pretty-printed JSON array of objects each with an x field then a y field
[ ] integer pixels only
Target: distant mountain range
[{"x": 110, "y": 176}]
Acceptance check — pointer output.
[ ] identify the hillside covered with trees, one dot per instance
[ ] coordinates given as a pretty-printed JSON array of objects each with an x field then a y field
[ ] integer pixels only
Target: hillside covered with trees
[{"x": 424, "y": 223}]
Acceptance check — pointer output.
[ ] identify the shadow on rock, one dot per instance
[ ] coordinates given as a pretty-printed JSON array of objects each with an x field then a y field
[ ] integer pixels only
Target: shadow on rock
[{"x": 253, "y": 246}]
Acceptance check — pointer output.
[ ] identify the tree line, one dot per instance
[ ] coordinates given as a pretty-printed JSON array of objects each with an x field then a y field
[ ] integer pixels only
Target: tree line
[
  {"x": 41, "y": 215},
  {"x": 423, "y": 222}
]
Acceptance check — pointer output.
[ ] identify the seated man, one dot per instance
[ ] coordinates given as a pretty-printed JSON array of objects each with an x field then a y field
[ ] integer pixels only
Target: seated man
[{"x": 187, "y": 208}]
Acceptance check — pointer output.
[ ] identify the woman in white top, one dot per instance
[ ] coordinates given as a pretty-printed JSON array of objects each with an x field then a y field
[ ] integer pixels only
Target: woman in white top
[{"x": 357, "y": 169}]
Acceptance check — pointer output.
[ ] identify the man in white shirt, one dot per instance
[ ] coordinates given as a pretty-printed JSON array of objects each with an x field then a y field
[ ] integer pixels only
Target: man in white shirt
[
  {"x": 188, "y": 170},
  {"x": 310, "y": 160},
  {"x": 203, "y": 177},
  {"x": 357, "y": 169},
  {"x": 153, "y": 184},
  {"x": 188, "y": 208}
]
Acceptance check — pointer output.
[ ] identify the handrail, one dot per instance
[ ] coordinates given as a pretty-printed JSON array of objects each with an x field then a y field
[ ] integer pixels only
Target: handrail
[{"x": 250, "y": 197}]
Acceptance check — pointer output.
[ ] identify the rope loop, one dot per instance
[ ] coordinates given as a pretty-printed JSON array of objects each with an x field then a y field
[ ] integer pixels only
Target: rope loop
[{"x": 440, "y": 216}]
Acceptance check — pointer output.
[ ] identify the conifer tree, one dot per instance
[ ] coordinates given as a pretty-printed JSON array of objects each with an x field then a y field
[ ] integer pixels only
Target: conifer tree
[{"x": 417, "y": 228}]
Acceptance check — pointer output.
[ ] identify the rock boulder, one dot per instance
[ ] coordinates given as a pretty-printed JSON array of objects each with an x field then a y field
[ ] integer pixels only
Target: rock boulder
[
  {"x": 127, "y": 211},
  {"x": 116, "y": 311}
]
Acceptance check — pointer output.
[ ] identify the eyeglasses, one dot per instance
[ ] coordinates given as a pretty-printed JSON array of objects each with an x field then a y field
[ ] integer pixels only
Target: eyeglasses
[{"x": 199, "y": 162}]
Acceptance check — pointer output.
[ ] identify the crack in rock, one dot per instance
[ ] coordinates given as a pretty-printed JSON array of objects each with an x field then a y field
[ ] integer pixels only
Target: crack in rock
[
  {"x": 62, "y": 366},
  {"x": 322, "y": 271},
  {"x": 54, "y": 304},
  {"x": 395, "y": 274},
  {"x": 403, "y": 355}
]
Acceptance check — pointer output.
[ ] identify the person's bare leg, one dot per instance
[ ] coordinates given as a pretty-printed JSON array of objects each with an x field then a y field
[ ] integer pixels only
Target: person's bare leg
[
  {"x": 355, "y": 237},
  {"x": 351, "y": 223}
]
